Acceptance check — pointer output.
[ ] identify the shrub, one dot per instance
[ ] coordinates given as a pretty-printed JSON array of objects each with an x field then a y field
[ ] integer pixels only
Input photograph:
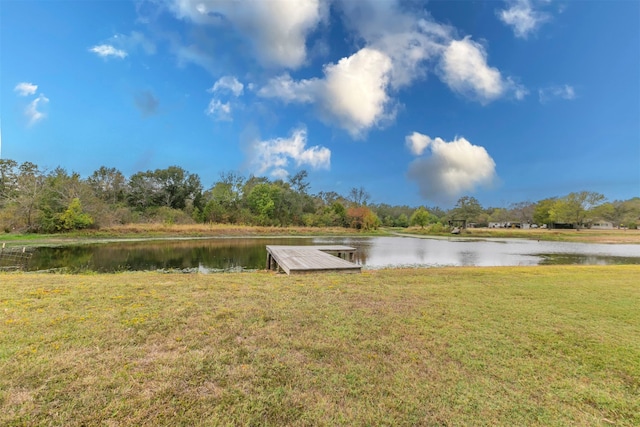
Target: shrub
[{"x": 73, "y": 218}]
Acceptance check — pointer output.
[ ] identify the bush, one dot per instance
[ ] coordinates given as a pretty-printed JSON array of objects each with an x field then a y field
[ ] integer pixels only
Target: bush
[
  {"x": 73, "y": 218},
  {"x": 170, "y": 216},
  {"x": 438, "y": 228}
]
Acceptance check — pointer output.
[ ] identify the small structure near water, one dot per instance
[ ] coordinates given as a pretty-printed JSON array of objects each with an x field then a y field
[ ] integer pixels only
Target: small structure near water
[
  {"x": 312, "y": 259},
  {"x": 14, "y": 258}
]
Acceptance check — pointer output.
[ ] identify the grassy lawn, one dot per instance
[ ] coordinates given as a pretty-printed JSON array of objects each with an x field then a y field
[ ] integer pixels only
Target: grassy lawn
[{"x": 451, "y": 346}]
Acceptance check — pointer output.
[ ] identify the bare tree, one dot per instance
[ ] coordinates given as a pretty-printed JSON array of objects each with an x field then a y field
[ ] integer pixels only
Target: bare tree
[{"x": 358, "y": 196}]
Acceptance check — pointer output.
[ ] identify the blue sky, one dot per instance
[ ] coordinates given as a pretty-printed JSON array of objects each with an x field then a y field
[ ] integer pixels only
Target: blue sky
[{"x": 417, "y": 102}]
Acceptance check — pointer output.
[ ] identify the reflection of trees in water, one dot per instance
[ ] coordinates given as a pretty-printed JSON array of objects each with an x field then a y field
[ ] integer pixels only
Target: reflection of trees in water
[
  {"x": 76, "y": 258},
  {"x": 212, "y": 254},
  {"x": 362, "y": 254},
  {"x": 225, "y": 254},
  {"x": 468, "y": 258}
]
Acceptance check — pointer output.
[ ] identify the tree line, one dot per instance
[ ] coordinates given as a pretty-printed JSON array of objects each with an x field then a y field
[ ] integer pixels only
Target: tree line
[{"x": 36, "y": 200}]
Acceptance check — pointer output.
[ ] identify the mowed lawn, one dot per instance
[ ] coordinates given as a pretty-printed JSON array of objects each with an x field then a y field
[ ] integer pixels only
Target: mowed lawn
[{"x": 446, "y": 346}]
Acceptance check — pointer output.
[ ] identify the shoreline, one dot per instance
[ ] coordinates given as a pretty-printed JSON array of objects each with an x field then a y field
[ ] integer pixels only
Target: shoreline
[{"x": 151, "y": 232}]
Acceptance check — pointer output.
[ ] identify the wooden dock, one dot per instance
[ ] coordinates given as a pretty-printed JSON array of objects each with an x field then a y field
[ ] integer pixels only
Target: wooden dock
[{"x": 311, "y": 259}]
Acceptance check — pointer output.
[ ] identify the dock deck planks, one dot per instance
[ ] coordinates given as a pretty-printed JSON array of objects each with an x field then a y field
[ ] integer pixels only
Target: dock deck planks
[{"x": 310, "y": 259}]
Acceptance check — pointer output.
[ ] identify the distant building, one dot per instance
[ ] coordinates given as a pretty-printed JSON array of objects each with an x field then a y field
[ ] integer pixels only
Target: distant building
[
  {"x": 509, "y": 224},
  {"x": 601, "y": 225},
  {"x": 562, "y": 226}
]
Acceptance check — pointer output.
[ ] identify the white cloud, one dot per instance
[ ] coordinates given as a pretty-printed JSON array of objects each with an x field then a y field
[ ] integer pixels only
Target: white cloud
[
  {"x": 409, "y": 38},
  {"x": 132, "y": 42},
  {"x": 464, "y": 69},
  {"x": 522, "y": 17},
  {"x": 415, "y": 43},
  {"x": 417, "y": 143},
  {"x": 277, "y": 28},
  {"x": 563, "y": 92},
  {"x": 228, "y": 83},
  {"x": 26, "y": 89},
  {"x": 355, "y": 90},
  {"x": 288, "y": 90},
  {"x": 452, "y": 169},
  {"x": 352, "y": 94},
  {"x": 273, "y": 156},
  {"x": 191, "y": 54},
  {"x": 32, "y": 111},
  {"x": 219, "y": 111},
  {"x": 137, "y": 39},
  {"x": 106, "y": 51},
  {"x": 400, "y": 44},
  {"x": 356, "y": 93},
  {"x": 519, "y": 91}
]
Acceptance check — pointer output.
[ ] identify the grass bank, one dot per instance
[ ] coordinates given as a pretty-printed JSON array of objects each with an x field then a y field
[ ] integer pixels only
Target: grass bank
[
  {"x": 584, "y": 235},
  {"x": 451, "y": 346},
  {"x": 167, "y": 231}
]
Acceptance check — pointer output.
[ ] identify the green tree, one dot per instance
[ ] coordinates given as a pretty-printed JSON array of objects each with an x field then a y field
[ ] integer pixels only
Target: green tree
[
  {"x": 108, "y": 184},
  {"x": 618, "y": 212},
  {"x": 224, "y": 199},
  {"x": 523, "y": 212},
  {"x": 401, "y": 221},
  {"x": 8, "y": 180},
  {"x": 143, "y": 191},
  {"x": 421, "y": 217},
  {"x": 172, "y": 187},
  {"x": 630, "y": 212},
  {"x": 262, "y": 202},
  {"x": 500, "y": 215},
  {"x": 575, "y": 207},
  {"x": 299, "y": 182},
  {"x": 59, "y": 190},
  {"x": 73, "y": 218},
  {"x": 542, "y": 211},
  {"x": 329, "y": 197},
  {"x": 467, "y": 208},
  {"x": 177, "y": 187},
  {"x": 340, "y": 213},
  {"x": 29, "y": 191}
]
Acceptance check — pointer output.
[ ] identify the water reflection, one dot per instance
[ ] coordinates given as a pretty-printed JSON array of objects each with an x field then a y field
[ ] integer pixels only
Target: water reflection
[
  {"x": 202, "y": 255},
  {"x": 208, "y": 255}
]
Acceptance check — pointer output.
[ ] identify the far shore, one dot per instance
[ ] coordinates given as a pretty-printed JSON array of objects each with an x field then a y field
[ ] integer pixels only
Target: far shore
[{"x": 141, "y": 232}]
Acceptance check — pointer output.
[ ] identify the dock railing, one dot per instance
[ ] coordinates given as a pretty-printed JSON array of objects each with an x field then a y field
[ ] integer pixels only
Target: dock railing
[{"x": 14, "y": 258}]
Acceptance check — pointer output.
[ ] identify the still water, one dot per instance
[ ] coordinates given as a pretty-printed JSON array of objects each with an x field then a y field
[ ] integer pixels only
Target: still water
[{"x": 238, "y": 254}]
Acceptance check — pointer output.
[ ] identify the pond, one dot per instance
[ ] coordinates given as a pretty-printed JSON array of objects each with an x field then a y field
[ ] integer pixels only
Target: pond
[{"x": 239, "y": 254}]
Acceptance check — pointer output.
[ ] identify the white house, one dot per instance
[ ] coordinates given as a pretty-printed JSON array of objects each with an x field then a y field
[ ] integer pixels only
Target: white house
[{"x": 600, "y": 224}]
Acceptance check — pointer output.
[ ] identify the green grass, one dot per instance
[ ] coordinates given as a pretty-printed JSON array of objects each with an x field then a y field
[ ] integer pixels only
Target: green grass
[
  {"x": 452, "y": 346},
  {"x": 583, "y": 235}
]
